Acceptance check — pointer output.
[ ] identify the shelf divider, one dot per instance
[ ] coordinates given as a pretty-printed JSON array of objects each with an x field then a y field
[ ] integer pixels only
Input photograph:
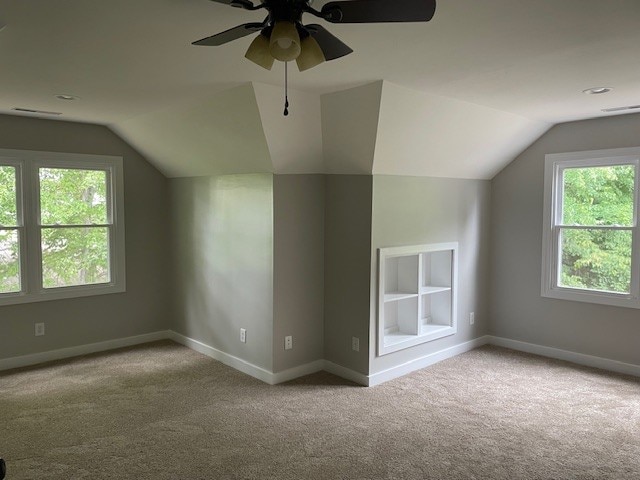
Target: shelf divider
[
  {"x": 396, "y": 296},
  {"x": 430, "y": 289}
]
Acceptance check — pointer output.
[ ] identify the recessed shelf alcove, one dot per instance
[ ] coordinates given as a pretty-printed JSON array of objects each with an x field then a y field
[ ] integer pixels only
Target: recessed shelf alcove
[{"x": 417, "y": 293}]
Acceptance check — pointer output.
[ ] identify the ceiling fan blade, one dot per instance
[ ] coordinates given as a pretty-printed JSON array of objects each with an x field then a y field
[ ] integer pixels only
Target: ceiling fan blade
[
  {"x": 246, "y": 4},
  {"x": 374, "y": 11},
  {"x": 331, "y": 46},
  {"x": 230, "y": 35}
]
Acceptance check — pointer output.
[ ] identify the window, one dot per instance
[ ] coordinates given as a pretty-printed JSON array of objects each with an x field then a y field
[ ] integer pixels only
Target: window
[
  {"x": 590, "y": 233},
  {"x": 61, "y": 226},
  {"x": 10, "y": 230}
]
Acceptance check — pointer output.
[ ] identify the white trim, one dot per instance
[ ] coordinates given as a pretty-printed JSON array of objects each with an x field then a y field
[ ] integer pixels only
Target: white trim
[
  {"x": 411, "y": 332},
  {"x": 555, "y": 164},
  {"x": 28, "y": 162},
  {"x": 36, "y": 358},
  {"x": 223, "y": 357},
  {"x": 346, "y": 373},
  {"x": 425, "y": 361},
  {"x": 234, "y": 362},
  {"x": 296, "y": 372},
  {"x": 244, "y": 366},
  {"x": 318, "y": 365},
  {"x": 567, "y": 355}
]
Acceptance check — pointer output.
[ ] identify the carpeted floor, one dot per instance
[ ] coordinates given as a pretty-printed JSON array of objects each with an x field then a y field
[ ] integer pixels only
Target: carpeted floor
[{"x": 161, "y": 411}]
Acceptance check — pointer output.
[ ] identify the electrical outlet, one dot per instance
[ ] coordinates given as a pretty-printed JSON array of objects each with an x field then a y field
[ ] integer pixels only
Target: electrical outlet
[
  {"x": 39, "y": 329},
  {"x": 472, "y": 318},
  {"x": 288, "y": 342},
  {"x": 243, "y": 335},
  {"x": 355, "y": 344}
]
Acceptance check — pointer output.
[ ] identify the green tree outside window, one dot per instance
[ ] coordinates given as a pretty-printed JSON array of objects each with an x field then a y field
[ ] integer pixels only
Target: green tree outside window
[
  {"x": 75, "y": 238},
  {"x": 597, "y": 258},
  {"x": 9, "y": 240}
]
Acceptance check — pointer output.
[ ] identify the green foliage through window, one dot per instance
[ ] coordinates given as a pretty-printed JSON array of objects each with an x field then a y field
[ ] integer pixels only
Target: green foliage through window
[
  {"x": 8, "y": 206},
  {"x": 61, "y": 226},
  {"x": 598, "y": 196},
  {"x": 9, "y": 261},
  {"x": 78, "y": 253},
  {"x": 75, "y": 256},
  {"x": 597, "y": 258},
  {"x": 9, "y": 244},
  {"x": 73, "y": 197}
]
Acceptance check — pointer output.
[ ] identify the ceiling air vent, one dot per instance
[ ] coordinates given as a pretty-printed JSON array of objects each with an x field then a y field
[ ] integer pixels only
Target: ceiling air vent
[
  {"x": 620, "y": 109},
  {"x": 40, "y": 112}
]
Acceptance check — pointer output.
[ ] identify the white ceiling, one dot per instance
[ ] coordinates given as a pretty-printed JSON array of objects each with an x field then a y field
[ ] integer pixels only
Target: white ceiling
[{"x": 126, "y": 59}]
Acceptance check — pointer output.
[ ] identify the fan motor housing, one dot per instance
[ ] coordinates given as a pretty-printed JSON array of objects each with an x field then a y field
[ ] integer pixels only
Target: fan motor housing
[{"x": 285, "y": 10}]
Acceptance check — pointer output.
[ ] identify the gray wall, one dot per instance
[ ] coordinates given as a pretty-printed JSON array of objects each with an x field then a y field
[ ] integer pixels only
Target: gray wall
[
  {"x": 347, "y": 269},
  {"x": 517, "y": 309},
  {"x": 143, "y": 308},
  {"x": 419, "y": 210},
  {"x": 222, "y": 242},
  {"x": 298, "y": 292}
]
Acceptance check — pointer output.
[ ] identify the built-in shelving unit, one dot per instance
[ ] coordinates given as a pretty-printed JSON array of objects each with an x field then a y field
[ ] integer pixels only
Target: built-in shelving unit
[{"x": 416, "y": 295}]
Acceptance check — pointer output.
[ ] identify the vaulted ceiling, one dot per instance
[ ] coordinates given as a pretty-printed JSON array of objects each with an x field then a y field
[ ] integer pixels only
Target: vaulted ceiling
[{"x": 462, "y": 95}]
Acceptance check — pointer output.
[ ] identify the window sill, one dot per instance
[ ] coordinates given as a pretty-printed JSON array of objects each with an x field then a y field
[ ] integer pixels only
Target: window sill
[
  {"x": 60, "y": 294},
  {"x": 602, "y": 298}
]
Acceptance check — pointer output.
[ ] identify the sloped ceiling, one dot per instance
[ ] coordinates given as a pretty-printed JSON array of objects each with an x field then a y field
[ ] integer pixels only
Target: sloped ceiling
[
  {"x": 295, "y": 142},
  {"x": 350, "y": 129},
  {"x": 378, "y": 128},
  {"x": 220, "y": 135},
  {"x": 133, "y": 67},
  {"x": 240, "y": 130},
  {"x": 385, "y": 129},
  {"x": 428, "y": 135},
  {"x": 126, "y": 58}
]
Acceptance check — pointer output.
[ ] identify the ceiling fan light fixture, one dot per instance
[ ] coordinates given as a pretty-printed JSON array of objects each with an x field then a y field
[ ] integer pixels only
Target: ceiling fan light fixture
[
  {"x": 66, "y": 96},
  {"x": 311, "y": 54},
  {"x": 259, "y": 52},
  {"x": 597, "y": 90},
  {"x": 285, "y": 42}
]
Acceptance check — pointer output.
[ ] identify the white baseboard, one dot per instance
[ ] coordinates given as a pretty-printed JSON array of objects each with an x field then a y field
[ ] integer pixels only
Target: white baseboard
[
  {"x": 574, "y": 357},
  {"x": 36, "y": 358},
  {"x": 244, "y": 366},
  {"x": 346, "y": 373},
  {"x": 240, "y": 364},
  {"x": 295, "y": 372},
  {"x": 425, "y": 361},
  {"x": 234, "y": 362},
  {"x": 309, "y": 368}
]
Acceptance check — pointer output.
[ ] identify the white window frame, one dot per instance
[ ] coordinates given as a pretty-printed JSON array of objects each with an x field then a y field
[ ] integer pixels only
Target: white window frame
[
  {"x": 27, "y": 164},
  {"x": 555, "y": 164}
]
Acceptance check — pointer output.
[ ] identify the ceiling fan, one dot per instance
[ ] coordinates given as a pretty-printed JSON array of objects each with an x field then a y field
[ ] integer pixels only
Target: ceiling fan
[{"x": 284, "y": 37}]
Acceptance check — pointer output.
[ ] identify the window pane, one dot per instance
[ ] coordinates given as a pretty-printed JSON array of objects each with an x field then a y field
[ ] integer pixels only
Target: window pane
[
  {"x": 73, "y": 197},
  {"x": 9, "y": 261},
  {"x": 8, "y": 208},
  {"x": 598, "y": 196},
  {"x": 75, "y": 256},
  {"x": 596, "y": 259}
]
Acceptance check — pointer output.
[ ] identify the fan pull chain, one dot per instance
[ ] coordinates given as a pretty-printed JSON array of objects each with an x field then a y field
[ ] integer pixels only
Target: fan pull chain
[{"x": 286, "y": 89}]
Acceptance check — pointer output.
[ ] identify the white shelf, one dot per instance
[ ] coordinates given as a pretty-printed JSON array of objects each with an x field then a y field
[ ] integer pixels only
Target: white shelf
[
  {"x": 396, "y": 338},
  {"x": 429, "y": 328},
  {"x": 395, "y": 296},
  {"x": 427, "y": 332},
  {"x": 417, "y": 295},
  {"x": 431, "y": 290}
]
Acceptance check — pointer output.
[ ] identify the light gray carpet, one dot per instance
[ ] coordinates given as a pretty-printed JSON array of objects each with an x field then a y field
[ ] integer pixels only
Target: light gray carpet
[{"x": 162, "y": 411}]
